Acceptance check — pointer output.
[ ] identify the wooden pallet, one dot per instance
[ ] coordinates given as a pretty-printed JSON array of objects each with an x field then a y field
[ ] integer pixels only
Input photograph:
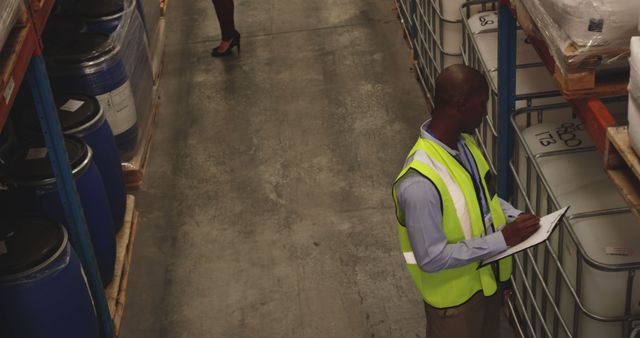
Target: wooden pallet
[
  {"x": 584, "y": 83},
  {"x": 117, "y": 289},
  {"x": 163, "y": 7},
  {"x": 623, "y": 166}
]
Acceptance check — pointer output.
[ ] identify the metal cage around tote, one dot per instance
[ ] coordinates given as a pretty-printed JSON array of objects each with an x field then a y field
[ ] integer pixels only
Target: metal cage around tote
[{"x": 569, "y": 286}]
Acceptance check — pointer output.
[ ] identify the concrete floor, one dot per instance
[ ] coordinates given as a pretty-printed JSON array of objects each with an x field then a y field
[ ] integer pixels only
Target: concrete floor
[{"x": 266, "y": 209}]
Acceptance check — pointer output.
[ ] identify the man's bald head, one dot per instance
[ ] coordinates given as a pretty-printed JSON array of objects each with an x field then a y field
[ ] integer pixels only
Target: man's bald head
[{"x": 457, "y": 83}]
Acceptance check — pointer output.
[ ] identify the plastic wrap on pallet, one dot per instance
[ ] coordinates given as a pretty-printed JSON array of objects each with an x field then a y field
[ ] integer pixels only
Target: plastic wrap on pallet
[
  {"x": 131, "y": 37},
  {"x": 9, "y": 13},
  {"x": 591, "y": 34},
  {"x": 150, "y": 11},
  {"x": 634, "y": 65},
  {"x": 634, "y": 95}
]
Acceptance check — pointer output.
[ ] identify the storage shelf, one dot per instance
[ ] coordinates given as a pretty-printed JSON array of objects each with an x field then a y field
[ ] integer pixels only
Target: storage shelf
[
  {"x": 599, "y": 123},
  {"x": 595, "y": 117},
  {"x": 14, "y": 61},
  {"x": 21, "y": 45},
  {"x": 21, "y": 56}
]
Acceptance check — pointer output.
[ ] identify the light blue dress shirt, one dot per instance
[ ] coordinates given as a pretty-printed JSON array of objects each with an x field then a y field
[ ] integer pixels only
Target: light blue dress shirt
[{"x": 419, "y": 201}]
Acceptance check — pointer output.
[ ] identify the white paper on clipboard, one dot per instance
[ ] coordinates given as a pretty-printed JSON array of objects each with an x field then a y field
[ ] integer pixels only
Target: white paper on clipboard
[{"x": 547, "y": 225}]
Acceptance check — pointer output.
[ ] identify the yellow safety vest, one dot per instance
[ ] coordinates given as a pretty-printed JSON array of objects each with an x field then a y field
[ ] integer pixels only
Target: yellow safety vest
[{"x": 460, "y": 209}]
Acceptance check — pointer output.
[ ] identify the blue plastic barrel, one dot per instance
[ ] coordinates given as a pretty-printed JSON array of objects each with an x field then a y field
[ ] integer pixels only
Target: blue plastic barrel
[
  {"x": 7, "y": 142},
  {"x": 82, "y": 116},
  {"x": 43, "y": 293},
  {"x": 90, "y": 64},
  {"x": 101, "y": 16},
  {"x": 31, "y": 180}
]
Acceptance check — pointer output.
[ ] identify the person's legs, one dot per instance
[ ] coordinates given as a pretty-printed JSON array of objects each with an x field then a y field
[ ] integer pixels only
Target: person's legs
[
  {"x": 224, "y": 11},
  {"x": 464, "y": 321},
  {"x": 492, "y": 310}
]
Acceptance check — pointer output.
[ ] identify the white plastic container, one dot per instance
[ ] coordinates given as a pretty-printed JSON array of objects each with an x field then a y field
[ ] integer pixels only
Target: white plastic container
[
  {"x": 571, "y": 165},
  {"x": 573, "y": 170},
  {"x": 484, "y": 26},
  {"x": 451, "y": 27},
  {"x": 613, "y": 240},
  {"x": 482, "y": 50}
]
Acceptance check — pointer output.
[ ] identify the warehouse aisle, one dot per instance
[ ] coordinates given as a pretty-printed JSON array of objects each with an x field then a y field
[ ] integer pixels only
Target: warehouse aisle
[{"x": 266, "y": 210}]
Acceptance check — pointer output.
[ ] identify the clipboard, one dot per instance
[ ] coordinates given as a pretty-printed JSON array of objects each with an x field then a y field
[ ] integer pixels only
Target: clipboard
[{"x": 548, "y": 223}]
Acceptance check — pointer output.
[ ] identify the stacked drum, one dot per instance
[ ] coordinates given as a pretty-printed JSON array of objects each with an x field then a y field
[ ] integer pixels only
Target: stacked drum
[
  {"x": 42, "y": 286},
  {"x": 97, "y": 59},
  {"x": 32, "y": 183},
  {"x": 91, "y": 64},
  {"x": 82, "y": 116}
]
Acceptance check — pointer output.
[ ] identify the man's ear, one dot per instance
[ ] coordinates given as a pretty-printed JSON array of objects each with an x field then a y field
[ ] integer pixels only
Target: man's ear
[{"x": 461, "y": 103}]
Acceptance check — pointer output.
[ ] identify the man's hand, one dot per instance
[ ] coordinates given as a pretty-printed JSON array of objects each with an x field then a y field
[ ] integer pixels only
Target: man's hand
[{"x": 520, "y": 229}]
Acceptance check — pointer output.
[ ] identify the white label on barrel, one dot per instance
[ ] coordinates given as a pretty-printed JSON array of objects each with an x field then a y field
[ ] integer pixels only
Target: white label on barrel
[
  {"x": 36, "y": 154},
  {"x": 120, "y": 108},
  {"x": 72, "y": 105},
  {"x": 619, "y": 251},
  {"x": 8, "y": 90},
  {"x": 3, "y": 248}
]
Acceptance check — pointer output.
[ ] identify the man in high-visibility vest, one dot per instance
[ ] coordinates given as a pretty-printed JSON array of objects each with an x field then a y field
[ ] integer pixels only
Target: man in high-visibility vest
[{"x": 450, "y": 218}]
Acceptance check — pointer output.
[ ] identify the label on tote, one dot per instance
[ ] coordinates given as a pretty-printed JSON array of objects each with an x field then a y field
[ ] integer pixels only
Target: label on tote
[
  {"x": 36, "y": 154},
  {"x": 72, "y": 105},
  {"x": 619, "y": 251}
]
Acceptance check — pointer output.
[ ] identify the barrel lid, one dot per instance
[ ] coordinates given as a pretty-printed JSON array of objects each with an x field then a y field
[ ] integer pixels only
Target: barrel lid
[
  {"x": 98, "y": 9},
  {"x": 30, "y": 162},
  {"x": 27, "y": 242},
  {"x": 85, "y": 46},
  {"x": 61, "y": 30},
  {"x": 74, "y": 111}
]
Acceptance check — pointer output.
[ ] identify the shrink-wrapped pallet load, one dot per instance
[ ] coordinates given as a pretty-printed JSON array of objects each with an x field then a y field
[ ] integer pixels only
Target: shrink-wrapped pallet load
[
  {"x": 586, "y": 34},
  {"x": 9, "y": 12},
  {"x": 634, "y": 94}
]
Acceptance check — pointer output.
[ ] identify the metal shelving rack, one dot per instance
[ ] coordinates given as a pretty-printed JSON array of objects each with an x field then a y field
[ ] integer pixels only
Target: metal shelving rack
[
  {"x": 26, "y": 61},
  {"x": 596, "y": 119},
  {"x": 594, "y": 115}
]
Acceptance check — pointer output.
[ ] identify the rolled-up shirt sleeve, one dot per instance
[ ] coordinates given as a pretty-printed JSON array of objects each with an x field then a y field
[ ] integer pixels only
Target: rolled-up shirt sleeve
[
  {"x": 509, "y": 211},
  {"x": 420, "y": 204}
]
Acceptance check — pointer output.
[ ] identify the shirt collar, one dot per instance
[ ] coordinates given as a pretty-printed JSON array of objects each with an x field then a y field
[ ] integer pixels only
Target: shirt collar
[{"x": 426, "y": 135}]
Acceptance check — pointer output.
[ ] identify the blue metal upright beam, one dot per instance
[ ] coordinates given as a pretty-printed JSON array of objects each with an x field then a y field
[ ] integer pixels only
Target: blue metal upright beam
[
  {"x": 506, "y": 96},
  {"x": 77, "y": 227}
]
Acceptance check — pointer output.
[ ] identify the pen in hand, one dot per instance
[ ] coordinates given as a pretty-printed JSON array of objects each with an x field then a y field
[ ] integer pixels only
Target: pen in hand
[{"x": 520, "y": 229}]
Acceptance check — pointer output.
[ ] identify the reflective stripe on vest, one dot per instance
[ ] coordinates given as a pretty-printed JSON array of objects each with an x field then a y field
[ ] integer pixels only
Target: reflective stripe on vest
[
  {"x": 459, "y": 202},
  {"x": 410, "y": 258}
]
